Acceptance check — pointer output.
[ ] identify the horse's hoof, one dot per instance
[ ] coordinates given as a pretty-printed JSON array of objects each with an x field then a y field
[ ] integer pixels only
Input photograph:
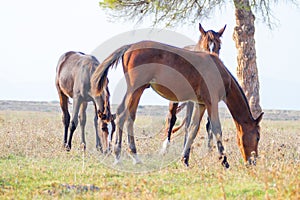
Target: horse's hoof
[
  {"x": 165, "y": 147},
  {"x": 99, "y": 148},
  {"x": 108, "y": 151},
  {"x": 83, "y": 147},
  {"x": 117, "y": 161},
  {"x": 137, "y": 161},
  {"x": 67, "y": 147},
  {"x": 185, "y": 161},
  {"x": 225, "y": 163}
]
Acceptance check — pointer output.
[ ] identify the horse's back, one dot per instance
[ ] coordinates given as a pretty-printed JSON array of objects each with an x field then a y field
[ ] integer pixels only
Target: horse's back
[
  {"x": 182, "y": 71},
  {"x": 73, "y": 72}
]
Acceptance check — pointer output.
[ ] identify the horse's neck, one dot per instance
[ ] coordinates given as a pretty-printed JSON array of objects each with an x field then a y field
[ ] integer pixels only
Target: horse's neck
[
  {"x": 191, "y": 47},
  {"x": 238, "y": 104},
  {"x": 199, "y": 46}
]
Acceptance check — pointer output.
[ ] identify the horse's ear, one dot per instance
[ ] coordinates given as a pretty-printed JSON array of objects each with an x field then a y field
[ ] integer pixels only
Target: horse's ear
[
  {"x": 202, "y": 31},
  {"x": 221, "y": 31},
  {"x": 259, "y": 118}
]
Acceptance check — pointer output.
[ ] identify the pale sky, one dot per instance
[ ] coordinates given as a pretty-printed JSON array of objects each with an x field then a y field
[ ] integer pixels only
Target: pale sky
[{"x": 35, "y": 33}]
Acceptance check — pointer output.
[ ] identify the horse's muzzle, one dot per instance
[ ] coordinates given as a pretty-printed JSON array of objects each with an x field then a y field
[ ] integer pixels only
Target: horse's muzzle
[
  {"x": 102, "y": 116},
  {"x": 252, "y": 159},
  {"x": 106, "y": 117}
]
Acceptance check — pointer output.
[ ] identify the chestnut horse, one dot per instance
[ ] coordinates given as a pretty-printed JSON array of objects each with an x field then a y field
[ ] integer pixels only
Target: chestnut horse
[
  {"x": 73, "y": 75},
  {"x": 180, "y": 75},
  {"x": 210, "y": 42}
]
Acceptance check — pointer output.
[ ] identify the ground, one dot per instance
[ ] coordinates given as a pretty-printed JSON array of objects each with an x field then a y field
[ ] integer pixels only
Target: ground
[{"x": 33, "y": 164}]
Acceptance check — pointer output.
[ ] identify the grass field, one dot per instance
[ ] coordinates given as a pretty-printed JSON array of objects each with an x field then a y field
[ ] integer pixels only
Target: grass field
[{"x": 33, "y": 164}]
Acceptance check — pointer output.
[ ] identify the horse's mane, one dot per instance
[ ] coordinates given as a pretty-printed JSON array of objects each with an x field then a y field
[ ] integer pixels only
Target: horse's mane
[
  {"x": 241, "y": 91},
  {"x": 234, "y": 81}
]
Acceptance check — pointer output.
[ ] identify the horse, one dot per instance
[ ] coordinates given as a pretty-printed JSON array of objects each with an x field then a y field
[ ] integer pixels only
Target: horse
[
  {"x": 210, "y": 41},
  {"x": 72, "y": 80},
  {"x": 180, "y": 75}
]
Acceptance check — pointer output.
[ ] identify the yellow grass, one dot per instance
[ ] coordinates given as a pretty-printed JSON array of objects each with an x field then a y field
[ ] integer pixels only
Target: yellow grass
[{"x": 33, "y": 164}]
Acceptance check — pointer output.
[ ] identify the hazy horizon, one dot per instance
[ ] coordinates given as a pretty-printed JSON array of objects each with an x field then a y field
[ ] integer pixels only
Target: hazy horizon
[{"x": 35, "y": 34}]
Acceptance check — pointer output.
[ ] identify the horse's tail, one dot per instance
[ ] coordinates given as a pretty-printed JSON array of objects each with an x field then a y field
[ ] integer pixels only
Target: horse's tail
[
  {"x": 174, "y": 130},
  {"x": 179, "y": 127},
  {"x": 183, "y": 122},
  {"x": 179, "y": 108},
  {"x": 99, "y": 77}
]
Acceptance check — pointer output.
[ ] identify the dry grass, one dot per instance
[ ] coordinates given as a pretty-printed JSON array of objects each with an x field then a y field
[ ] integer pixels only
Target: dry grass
[{"x": 33, "y": 164}]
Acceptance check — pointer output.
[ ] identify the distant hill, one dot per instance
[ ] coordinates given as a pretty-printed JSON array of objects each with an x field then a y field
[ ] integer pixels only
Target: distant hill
[{"x": 151, "y": 110}]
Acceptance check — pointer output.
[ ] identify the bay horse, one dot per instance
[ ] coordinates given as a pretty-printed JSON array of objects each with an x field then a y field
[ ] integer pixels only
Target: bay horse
[
  {"x": 210, "y": 41},
  {"x": 179, "y": 75},
  {"x": 72, "y": 80}
]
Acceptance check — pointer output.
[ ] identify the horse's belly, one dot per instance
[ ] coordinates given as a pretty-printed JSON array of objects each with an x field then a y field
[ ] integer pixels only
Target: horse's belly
[
  {"x": 164, "y": 92},
  {"x": 173, "y": 94}
]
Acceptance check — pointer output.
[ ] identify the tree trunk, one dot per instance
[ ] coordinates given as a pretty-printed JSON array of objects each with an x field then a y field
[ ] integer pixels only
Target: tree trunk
[{"x": 247, "y": 72}]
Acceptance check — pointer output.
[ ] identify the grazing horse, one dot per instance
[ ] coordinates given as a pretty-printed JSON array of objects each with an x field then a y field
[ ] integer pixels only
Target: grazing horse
[
  {"x": 210, "y": 42},
  {"x": 73, "y": 75},
  {"x": 180, "y": 75}
]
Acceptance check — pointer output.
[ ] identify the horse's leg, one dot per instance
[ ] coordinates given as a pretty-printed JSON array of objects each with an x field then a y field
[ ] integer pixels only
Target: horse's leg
[
  {"x": 121, "y": 115},
  {"x": 193, "y": 128},
  {"x": 74, "y": 121},
  {"x": 97, "y": 120},
  {"x": 188, "y": 117},
  {"x": 132, "y": 108},
  {"x": 111, "y": 131},
  {"x": 170, "y": 124},
  {"x": 66, "y": 115},
  {"x": 104, "y": 136},
  {"x": 213, "y": 114},
  {"x": 103, "y": 125},
  {"x": 82, "y": 119},
  {"x": 98, "y": 142},
  {"x": 209, "y": 134}
]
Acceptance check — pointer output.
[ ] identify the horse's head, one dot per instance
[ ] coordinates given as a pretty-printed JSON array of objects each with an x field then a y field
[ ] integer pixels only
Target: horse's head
[
  {"x": 248, "y": 137},
  {"x": 210, "y": 40},
  {"x": 103, "y": 104},
  {"x": 107, "y": 130},
  {"x": 104, "y": 114}
]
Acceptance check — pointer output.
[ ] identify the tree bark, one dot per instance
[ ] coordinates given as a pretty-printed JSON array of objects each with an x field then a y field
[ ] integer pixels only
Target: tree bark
[{"x": 247, "y": 72}]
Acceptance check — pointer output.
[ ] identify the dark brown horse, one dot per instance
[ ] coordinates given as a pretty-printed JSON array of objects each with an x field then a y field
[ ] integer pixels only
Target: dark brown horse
[
  {"x": 73, "y": 75},
  {"x": 180, "y": 75},
  {"x": 210, "y": 41}
]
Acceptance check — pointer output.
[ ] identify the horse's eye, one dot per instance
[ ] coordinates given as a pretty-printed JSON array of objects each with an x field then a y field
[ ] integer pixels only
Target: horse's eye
[{"x": 257, "y": 139}]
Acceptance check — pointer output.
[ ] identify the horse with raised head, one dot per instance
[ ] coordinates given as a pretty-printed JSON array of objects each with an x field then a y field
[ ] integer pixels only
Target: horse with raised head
[
  {"x": 210, "y": 41},
  {"x": 73, "y": 74},
  {"x": 180, "y": 75}
]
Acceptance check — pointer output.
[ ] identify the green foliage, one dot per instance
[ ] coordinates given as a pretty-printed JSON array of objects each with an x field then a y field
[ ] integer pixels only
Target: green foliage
[
  {"x": 111, "y": 4},
  {"x": 172, "y": 12}
]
